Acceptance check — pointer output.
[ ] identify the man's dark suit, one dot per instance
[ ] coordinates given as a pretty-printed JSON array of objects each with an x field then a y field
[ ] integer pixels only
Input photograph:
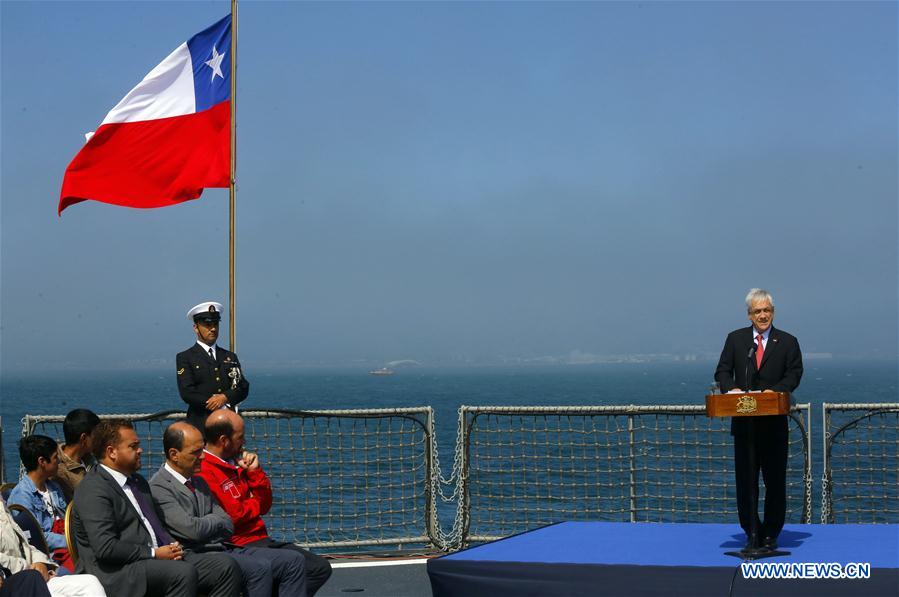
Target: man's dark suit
[
  {"x": 199, "y": 377},
  {"x": 115, "y": 546},
  {"x": 780, "y": 371}
]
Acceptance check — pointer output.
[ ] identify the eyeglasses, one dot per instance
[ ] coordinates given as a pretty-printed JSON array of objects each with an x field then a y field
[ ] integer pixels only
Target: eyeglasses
[
  {"x": 208, "y": 324},
  {"x": 768, "y": 310}
]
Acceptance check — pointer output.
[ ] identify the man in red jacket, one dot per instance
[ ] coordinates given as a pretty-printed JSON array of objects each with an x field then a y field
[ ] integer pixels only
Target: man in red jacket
[{"x": 244, "y": 491}]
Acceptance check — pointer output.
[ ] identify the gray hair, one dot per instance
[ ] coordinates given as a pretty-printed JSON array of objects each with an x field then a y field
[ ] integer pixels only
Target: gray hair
[{"x": 758, "y": 294}]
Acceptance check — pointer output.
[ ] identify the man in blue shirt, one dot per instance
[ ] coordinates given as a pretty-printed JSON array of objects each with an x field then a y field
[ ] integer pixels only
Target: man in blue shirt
[{"x": 41, "y": 496}]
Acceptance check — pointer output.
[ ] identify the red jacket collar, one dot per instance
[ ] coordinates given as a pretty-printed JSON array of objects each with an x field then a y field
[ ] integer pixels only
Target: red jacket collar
[{"x": 218, "y": 462}]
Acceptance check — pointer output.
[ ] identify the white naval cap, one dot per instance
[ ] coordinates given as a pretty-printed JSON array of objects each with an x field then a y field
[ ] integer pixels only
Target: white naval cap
[{"x": 208, "y": 311}]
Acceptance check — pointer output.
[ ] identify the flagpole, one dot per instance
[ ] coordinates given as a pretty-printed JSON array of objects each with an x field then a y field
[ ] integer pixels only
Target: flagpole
[{"x": 232, "y": 194}]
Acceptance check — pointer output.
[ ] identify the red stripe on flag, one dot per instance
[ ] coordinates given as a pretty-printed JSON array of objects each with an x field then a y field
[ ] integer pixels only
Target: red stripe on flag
[{"x": 153, "y": 163}]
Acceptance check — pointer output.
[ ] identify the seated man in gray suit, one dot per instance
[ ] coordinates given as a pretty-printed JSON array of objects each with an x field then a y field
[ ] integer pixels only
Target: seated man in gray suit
[
  {"x": 120, "y": 535},
  {"x": 194, "y": 517}
]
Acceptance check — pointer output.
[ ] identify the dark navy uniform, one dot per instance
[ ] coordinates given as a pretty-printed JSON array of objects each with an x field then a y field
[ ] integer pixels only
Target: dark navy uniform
[
  {"x": 199, "y": 377},
  {"x": 202, "y": 375}
]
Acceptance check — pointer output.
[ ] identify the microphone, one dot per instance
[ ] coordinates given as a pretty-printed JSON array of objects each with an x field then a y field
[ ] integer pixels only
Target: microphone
[{"x": 749, "y": 358}]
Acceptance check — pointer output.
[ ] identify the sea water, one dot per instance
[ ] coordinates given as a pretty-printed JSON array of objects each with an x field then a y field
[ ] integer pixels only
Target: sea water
[{"x": 444, "y": 389}]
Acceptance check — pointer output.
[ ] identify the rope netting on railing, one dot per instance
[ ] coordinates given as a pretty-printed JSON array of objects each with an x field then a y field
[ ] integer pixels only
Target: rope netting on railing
[
  {"x": 352, "y": 478},
  {"x": 531, "y": 466},
  {"x": 861, "y": 463},
  {"x": 340, "y": 478}
]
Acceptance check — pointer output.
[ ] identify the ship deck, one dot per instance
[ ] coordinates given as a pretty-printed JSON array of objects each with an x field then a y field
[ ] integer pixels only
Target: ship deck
[
  {"x": 394, "y": 577},
  {"x": 688, "y": 559},
  {"x": 574, "y": 558}
]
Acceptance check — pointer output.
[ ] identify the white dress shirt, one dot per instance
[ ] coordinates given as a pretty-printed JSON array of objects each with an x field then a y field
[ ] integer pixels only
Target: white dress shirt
[
  {"x": 181, "y": 478},
  {"x": 206, "y": 348},
  {"x": 121, "y": 480}
]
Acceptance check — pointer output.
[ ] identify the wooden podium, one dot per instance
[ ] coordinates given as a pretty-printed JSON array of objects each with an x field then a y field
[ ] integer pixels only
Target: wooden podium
[
  {"x": 747, "y": 404},
  {"x": 750, "y": 404}
]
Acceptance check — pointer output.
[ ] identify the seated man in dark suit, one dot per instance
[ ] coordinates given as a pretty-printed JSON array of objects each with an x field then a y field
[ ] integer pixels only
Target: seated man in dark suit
[
  {"x": 193, "y": 516},
  {"x": 760, "y": 357},
  {"x": 120, "y": 534}
]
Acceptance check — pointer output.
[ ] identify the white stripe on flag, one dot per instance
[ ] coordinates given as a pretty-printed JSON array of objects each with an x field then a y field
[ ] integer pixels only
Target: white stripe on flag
[{"x": 166, "y": 91}]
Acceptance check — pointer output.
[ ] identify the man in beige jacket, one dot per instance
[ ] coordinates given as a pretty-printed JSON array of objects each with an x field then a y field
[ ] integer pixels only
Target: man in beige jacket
[
  {"x": 75, "y": 457},
  {"x": 16, "y": 554}
]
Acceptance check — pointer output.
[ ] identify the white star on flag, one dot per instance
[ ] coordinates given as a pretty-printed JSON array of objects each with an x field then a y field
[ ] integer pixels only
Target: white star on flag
[{"x": 215, "y": 64}]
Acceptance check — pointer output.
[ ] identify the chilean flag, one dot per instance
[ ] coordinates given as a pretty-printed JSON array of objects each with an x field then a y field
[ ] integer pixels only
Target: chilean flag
[{"x": 169, "y": 138}]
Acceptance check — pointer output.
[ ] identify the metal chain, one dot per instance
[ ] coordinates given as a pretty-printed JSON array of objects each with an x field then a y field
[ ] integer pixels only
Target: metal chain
[
  {"x": 826, "y": 515},
  {"x": 807, "y": 469},
  {"x": 807, "y": 518},
  {"x": 456, "y": 471},
  {"x": 453, "y": 539}
]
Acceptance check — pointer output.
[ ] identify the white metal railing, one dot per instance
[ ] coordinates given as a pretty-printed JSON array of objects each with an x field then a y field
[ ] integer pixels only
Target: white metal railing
[
  {"x": 524, "y": 467},
  {"x": 372, "y": 477},
  {"x": 860, "y": 457}
]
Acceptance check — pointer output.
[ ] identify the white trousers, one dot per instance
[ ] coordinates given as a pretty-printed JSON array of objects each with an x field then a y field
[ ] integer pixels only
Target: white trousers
[{"x": 76, "y": 585}]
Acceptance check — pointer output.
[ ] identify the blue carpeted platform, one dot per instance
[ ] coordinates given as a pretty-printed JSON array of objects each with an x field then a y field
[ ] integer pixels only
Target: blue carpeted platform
[{"x": 606, "y": 558}]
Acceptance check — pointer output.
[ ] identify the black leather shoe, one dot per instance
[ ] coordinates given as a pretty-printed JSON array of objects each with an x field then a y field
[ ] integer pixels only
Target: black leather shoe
[{"x": 769, "y": 543}]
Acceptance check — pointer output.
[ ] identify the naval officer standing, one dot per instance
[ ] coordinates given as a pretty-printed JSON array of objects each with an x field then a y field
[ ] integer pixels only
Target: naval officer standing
[{"x": 209, "y": 377}]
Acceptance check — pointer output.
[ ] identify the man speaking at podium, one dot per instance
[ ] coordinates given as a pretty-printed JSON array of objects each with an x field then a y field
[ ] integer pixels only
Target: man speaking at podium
[{"x": 760, "y": 357}]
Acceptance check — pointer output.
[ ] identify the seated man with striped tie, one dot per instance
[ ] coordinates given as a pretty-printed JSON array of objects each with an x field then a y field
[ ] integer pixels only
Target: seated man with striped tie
[
  {"x": 194, "y": 517},
  {"x": 120, "y": 533}
]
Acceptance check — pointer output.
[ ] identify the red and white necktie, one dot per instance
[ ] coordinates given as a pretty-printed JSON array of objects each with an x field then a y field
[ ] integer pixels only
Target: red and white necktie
[{"x": 759, "y": 352}]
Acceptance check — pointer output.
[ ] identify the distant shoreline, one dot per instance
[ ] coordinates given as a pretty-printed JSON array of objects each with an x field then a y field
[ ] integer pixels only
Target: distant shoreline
[{"x": 365, "y": 366}]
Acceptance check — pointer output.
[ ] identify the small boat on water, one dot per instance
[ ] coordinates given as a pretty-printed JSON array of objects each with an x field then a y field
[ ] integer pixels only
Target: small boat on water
[{"x": 382, "y": 371}]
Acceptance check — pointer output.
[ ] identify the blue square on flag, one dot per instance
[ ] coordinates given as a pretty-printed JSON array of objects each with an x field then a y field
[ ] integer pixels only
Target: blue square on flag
[{"x": 210, "y": 54}]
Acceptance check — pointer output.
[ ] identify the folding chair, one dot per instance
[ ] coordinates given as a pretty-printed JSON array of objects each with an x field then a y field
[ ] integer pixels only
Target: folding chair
[
  {"x": 28, "y": 523},
  {"x": 6, "y": 489},
  {"x": 70, "y": 532}
]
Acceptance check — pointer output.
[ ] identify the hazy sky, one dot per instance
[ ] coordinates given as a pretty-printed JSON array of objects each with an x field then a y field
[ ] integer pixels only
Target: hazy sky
[{"x": 467, "y": 180}]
